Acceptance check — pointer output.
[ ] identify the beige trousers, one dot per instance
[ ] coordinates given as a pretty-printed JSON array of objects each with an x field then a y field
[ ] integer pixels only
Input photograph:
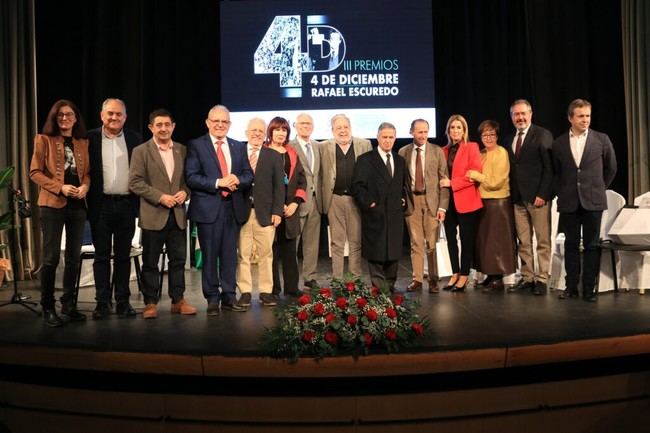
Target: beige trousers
[
  {"x": 423, "y": 231},
  {"x": 345, "y": 223},
  {"x": 530, "y": 220},
  {"x": 252, "y": 233}
]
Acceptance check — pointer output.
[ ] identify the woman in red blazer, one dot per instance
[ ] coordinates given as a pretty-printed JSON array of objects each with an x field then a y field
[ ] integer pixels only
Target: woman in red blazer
[
  {"x": 464, "y": 200},
  {"x": 286, "y": 234}
]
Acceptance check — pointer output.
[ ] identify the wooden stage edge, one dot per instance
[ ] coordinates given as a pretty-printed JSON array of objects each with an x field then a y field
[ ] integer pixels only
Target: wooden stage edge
[{"x": 402, "y": 364}]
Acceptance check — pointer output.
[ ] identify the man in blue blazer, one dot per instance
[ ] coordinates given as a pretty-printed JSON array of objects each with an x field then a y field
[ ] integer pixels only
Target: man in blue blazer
[
  {"x": 217, "y": 170},
  {"x": 585, "y": 165}
]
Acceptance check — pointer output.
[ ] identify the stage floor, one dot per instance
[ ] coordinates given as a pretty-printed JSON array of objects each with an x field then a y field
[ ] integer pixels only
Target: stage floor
[{"x": 465, "y": 321}]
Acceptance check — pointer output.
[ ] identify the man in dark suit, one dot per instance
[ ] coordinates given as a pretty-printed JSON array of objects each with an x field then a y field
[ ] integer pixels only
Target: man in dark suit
[
  {"x": 427, "y": 165},
  {"x": 585, "y": 165},
  {"x": 531, "y": 189},
  {"x": 157, "y": 176},
  {"x": 378, "y": 187},
  {"x": 310, "y": 210},
  {"x": 111, "y": 208},
  {"x": 217, "y": 170},
  {"x": 265, "y": 205}
]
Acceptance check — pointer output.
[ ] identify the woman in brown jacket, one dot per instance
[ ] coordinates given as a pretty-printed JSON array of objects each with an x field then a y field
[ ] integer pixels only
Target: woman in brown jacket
[{"x": 60, "y": 168}]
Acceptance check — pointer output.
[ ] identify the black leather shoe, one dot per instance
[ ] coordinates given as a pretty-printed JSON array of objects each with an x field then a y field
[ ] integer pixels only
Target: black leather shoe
[
  {"x": 125, "y": 309},
  {"x": 296, "y": 294},
  {"x": 522, "y": 286},
  {"x": 232, "y": 306},
  {"x": 458, "y": 289},
  {"x": 312, "y": 285},
  {"x": 590, "y": 297},
  {"x": 73, "y": 313},
  {"x": 494, "y": 286},
  {"x": 414, "y": 286},
  {"x": 539, "y": 289},
  {"x": 486, "y": 282},
  {"x": 568, "y": 294},
  {"x": 102, "y": 311},
  {"x": 50, "y": 318},
  {"x": 213, "y": 309}
]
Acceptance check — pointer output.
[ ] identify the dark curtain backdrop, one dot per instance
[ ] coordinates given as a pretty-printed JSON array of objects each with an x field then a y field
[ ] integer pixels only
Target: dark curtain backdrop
[{"x": 486, "y": 54}]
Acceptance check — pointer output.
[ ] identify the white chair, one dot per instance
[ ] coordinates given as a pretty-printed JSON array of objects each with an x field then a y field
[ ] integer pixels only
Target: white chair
[
  {"x": 635, "y": 265},
  {"x": 558, "y": 273},
  {"x": 615, "y": 203}
]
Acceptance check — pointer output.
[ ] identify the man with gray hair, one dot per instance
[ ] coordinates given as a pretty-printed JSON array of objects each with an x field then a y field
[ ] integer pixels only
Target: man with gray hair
[
  {"x": 112, "y": 208},
  {"x": 265, "y": 203},
  {"x": 310, "y": 209},
  {"x": 338, "y": 158},
  {"x": 378, "y": 186},
  {"x": 531, "y": 192}
]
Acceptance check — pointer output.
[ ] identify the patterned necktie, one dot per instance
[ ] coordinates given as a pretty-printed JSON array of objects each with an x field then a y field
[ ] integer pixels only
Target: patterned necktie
[
  {"x": 253, "y": 158},
  {"x": 519, "y": 142},
  {"x": 222, "y": 165},
  {"x": 419, "y": 176},
  {"x": 388, "y": 166}
]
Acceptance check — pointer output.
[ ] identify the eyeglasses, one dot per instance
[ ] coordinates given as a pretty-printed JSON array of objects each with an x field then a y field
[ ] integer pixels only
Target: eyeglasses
[
  {"x": 488, "y": 135},
  {"x": 219, "y": 122},
  {"x": 69, "y": 115}
]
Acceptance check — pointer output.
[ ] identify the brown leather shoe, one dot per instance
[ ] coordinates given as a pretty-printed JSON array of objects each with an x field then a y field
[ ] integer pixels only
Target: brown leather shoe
[
  {"x": 182, "y": 307},
  {"x": 414, "y": 286},
  {"x": 433, "y": 286},
  {"x": 150, "y": 311}
]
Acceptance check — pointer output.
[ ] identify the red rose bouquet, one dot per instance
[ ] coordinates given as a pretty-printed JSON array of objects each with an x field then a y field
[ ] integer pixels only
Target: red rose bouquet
[{"x": 348, "y": 317}]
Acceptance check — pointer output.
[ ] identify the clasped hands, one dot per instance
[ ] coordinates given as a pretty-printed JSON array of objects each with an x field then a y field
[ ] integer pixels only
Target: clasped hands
[
  {"x": 169, "y": 201},
  {"x": 230, "y": 182},
  {"x": 78, "y": 192}
]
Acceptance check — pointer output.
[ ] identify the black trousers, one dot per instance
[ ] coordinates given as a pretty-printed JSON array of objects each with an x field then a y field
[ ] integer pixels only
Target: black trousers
[
  {"x": 467, "y": 223},
  {"x": 112, "y": 233},
  {"x": 383, "y": 274},
  {"x": 174, "y": 239},
  {"x": 571, "y": 223},
  {"x": 284, "y": 250},
  {"x": 52, "y": 222}
]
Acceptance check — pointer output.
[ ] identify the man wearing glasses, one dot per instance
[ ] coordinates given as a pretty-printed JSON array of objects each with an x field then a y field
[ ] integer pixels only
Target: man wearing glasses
[
  {"x": 111, "y": 208},
  {"x": 217, "y": 170}
]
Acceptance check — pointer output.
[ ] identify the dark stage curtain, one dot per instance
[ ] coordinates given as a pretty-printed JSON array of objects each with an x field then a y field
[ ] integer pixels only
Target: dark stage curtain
[
  {"x": 636, "y": 53},
  {"x": 18, "y": 123},
  {"x": 486, "y": 54}
]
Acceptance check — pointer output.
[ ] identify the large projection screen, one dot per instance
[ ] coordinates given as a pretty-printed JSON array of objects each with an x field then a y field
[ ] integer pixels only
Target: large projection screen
[{"x": 372, "y": 60}]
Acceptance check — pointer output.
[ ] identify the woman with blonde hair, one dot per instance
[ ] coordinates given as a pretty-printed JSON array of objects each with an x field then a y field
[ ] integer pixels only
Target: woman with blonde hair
[{"x": 464, "y": 200}]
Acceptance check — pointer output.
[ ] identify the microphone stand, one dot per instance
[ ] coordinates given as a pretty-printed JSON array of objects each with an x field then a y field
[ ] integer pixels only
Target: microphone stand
[{"x": 25, "y": 212}]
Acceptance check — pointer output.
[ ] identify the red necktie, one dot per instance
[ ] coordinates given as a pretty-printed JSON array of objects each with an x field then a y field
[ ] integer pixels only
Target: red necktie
[
  {"x": 222, "y": 165},
  {"x": 518, "y": 145}
]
